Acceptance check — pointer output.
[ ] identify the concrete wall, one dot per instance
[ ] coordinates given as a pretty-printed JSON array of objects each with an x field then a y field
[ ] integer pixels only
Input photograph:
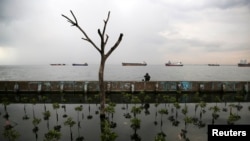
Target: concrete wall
[{"x": 123, "y": 86}]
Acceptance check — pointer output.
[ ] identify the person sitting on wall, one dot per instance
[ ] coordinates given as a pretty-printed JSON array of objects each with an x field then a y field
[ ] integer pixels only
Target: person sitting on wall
[{"x": 147, "y": 77}]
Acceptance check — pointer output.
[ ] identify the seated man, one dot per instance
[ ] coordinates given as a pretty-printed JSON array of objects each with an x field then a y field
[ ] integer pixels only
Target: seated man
[{"x": 147, "y": 77}]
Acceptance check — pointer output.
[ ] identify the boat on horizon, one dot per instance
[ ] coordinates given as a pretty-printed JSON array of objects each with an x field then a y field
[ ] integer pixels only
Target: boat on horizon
[
  {"x": 84, "y": 64},
  {"x": 174, "y": 64},
  {"x": 57, "y": 64},
  {"x": 213, "y": 64},
  {"x": 134, "y": 64},
  {"x": 243, "y": 63}
]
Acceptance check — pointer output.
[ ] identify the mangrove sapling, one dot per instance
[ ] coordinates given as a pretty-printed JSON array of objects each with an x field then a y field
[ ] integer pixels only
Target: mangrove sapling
[
  {"x": 177, "y": 107},
  {"x": 217, "y": 99},
  {"x": 239, "y": 99},
  {"x": 187, "y": 120},
  {"x": 33, "y": 101},
  {"x": 64, "y": 109},
  {"x": 79, "y": 109},
  {"x": 89, "y": 101},
  {"x": 183, "y": 134},
  {"x": 35, "y": 122},
  {"x": 11, "y": 134},
  {"x": 160, "y": 137},
  {"x": 52, "y": 135},
  {"x": 135, "y": 100},
  {"x": 25, "y": 100},
  {"x": 56, "y": 106},
  {"x": 146, "y": 104},
  {"x": 215, "y": 109},
  {"x": 107, "y": 134},
  {"x": 70, "y": 122},
  {"x": 110, "y": 110},
  {"x": 97, "y": 98},
  {"x": 127, "y": 99},
  {"x": 233, "y": 117},
  {"x": 5, "y": 102},
  {"x": 135, "y": 125},
  {"x": 202, "y": 106},
  {"x": 141, "y": 96},
  {"x": 46, "y": 116},
  {"x": 185, "y": 110},
  {"x": 224, "y": 109},
  {"x": 172, "y": 100},
  {"x": 162, "y": 112},
  {"x": 136, "y": 110},
  {"x": 44, "y": 99},
  {"x": 156, "y": 111}
]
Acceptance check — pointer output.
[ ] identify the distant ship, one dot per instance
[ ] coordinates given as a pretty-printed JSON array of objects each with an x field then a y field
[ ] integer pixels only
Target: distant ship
[
  {"x": 57, "y": 64},
  {"x": 243, "y": 63},
  {"x": 213, "y": 64},
  {"x": 85, "y": 64},
  {"x": 174, "y": 64},
  {"x": 134, "y": 64}
]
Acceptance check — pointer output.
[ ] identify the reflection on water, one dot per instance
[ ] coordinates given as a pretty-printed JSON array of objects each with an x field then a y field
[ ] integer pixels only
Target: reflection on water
[{"x": 171, "y": 123}]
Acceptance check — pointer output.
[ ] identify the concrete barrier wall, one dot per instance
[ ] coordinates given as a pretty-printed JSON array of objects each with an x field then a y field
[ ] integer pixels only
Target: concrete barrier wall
[{"x": 123, "y": 86}]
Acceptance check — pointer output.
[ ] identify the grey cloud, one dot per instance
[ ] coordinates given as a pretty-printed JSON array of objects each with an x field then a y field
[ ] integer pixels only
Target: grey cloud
[{"x": 225, "y": 4}]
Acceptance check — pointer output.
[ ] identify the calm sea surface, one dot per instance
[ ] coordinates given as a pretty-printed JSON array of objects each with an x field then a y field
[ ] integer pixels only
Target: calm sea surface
[{"x": 124, "y": 73}]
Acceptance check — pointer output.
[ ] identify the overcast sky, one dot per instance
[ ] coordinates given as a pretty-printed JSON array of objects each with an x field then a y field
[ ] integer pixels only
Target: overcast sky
[{"x": 155, "y": 31}]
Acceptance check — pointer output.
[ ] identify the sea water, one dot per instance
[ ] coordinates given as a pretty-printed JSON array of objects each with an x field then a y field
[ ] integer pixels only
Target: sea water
[{"x": 124, "y": 73}]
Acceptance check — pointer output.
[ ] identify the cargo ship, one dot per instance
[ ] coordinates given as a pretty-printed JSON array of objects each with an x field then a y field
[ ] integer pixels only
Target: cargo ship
[
  {"x": 243, "y": 63},
  {"x": 134, "y": 64},
  {"x": 57, "y": 64},
  {"x": 84, "y": 64},
  {"x": 174, "y": 64},
  {"x": 213, "y": 64}
]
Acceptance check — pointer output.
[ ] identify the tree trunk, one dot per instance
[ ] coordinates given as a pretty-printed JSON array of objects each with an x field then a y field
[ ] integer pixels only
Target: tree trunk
[{"x": 102, "y": 87}]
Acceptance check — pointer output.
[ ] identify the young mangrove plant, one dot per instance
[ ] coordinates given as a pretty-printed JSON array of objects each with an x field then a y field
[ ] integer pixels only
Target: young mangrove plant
[
  {"x": 110, "y": 110},
  {"x": 135, "y": 125},
  {"x": 233, "y": 117},
  {"x": 5, "y": 102},
  {"x": 79, "y": 109},
  {"x": 97, "y": 98},
  {"x": 46, "y": 116},
  {"x": 25, "y": 101},
  {"x": 162, "y": 112},
  {"x": 70, "y": 122},
  {"x": 33, "y": 101},
  {"x": 199, "y": 122},
  {"x": 35, "y": 122},
  {"x": 89, "y": 108},
  {"x": 126, "y": 99},
  {"x": 52, "y": 135},
  {"x": 56, "y": 106},
  {"x": 215, "y": 109},
  {"x": 11, "y": 134},
  {"x": 107, "y": 134}
]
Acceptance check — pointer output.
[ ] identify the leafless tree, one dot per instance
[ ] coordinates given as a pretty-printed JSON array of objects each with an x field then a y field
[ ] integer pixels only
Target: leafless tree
[{"x": 104, "y": 55}]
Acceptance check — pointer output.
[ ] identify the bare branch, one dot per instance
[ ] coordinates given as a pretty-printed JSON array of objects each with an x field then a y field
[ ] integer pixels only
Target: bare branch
[
  {"x": 99, "y": 32},
  {"x": 69, "y": 20},
  {"x": 107, "y": 37},
  {"x": 115, "y": 46},
  {"x": 86, "y": 37},
  {"x": 74, "y": 17},
  {"x": 105, "y": 24}
]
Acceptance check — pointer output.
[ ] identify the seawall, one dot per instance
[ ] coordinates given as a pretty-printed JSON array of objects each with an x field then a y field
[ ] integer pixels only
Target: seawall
[{"x": 123, "y": 86}]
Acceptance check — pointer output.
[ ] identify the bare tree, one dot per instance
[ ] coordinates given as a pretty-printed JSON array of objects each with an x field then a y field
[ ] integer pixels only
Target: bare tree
[{"x": 104, "y": 55}]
